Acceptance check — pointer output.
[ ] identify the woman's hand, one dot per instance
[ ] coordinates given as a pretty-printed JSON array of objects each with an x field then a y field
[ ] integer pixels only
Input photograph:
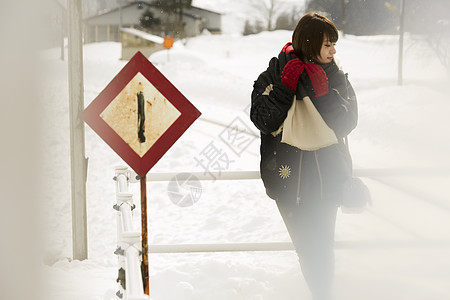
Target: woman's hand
[
  {"x": 295, "y": 67},
  {"x": 291, "y": 73},
  {"x": 318, "y": 78}
]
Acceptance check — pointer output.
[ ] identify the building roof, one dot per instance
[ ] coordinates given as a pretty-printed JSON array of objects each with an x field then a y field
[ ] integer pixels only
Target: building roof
[
  {"x": 207, "y": 10},
  {"x": 143, "y": 35},
  {"x": 107, "y": 11}
]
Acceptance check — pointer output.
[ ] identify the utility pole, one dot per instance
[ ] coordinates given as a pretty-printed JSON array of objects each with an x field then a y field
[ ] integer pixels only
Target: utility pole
[
  {"x": 77, "y": 148},
  {"x": 400, "y": 43},
  {"x": 343, "y": 20},
  {"x": 63, "y": 14}
]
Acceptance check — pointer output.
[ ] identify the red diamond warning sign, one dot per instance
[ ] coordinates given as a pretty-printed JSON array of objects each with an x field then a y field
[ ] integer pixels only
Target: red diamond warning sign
[{"x": 140, "y": 114}]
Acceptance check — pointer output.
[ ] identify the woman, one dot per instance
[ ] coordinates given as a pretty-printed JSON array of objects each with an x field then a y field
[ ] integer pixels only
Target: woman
[{"x": 304, "y": 107}]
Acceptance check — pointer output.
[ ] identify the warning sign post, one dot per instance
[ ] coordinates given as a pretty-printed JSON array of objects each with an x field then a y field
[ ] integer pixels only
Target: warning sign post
[{"x": 140, "y": 115}]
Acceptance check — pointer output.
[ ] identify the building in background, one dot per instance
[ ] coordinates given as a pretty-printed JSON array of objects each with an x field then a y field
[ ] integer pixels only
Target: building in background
[{"x": 106, "y": 25}]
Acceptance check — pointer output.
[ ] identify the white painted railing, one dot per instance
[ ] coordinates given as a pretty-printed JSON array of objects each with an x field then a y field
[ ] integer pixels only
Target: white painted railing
[
  {"x": 279, "y": 246},
  {"x": 128, "y": 241},
  {"x": 252, "y": 175}
]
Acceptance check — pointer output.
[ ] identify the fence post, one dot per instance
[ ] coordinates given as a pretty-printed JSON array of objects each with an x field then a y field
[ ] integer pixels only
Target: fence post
[{"x": 144, "y": 243}]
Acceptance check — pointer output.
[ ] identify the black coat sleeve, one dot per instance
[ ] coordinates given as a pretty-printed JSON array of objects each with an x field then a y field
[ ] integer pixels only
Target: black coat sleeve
[
  {"x": 339, "y": 107},
  {"x": 271, "y": 100}
]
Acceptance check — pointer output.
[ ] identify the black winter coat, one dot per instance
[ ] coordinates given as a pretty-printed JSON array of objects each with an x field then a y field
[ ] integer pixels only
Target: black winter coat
[{"x": 289, "y": 172}]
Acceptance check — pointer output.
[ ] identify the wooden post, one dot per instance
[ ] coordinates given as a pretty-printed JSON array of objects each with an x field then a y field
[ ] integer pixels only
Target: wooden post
[
  {"x": 145, "y": 275},
  {"x": 77, "y": 149},
  {"x": 400, "y": 43}
]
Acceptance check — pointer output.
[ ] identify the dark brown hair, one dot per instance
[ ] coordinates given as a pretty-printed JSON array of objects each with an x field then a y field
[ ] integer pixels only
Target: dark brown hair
[{"x": 308, "y": 35}]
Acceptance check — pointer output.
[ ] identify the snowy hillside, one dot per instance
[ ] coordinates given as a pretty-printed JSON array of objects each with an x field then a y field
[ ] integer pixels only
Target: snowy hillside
[{"x": 398, "y": 249}]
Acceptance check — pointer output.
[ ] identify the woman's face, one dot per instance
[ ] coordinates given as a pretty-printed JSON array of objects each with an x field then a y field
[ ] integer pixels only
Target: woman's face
[{"x": 327, "y": 51}]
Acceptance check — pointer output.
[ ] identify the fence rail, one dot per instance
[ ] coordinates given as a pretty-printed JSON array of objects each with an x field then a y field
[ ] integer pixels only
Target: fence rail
[
  {"x": 253, "y": 175},
  {"x": 288, "y": 246}
]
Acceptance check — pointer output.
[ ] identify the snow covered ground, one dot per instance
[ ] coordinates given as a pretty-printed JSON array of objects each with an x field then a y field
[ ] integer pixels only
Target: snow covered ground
[{"x": 397, "y": 249}]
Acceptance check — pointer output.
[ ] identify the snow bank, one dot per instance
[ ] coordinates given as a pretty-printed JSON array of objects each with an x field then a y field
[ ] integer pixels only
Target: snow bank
[{"x": 399, "y": 127}]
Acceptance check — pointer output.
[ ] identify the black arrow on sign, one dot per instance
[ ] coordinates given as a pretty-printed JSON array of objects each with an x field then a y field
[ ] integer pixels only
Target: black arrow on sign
[{"x": 141, "y": 116}]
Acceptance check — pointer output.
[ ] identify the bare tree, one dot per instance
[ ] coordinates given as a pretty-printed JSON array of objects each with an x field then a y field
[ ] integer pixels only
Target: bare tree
[
  {"x": 268, "y": 10},
  {"x": 288, "y": 19},
  {"x": 439, "y": 41}
]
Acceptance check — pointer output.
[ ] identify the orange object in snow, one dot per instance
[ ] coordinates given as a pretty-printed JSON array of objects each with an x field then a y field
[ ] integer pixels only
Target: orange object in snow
[{"x": 168, "y": 42}]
